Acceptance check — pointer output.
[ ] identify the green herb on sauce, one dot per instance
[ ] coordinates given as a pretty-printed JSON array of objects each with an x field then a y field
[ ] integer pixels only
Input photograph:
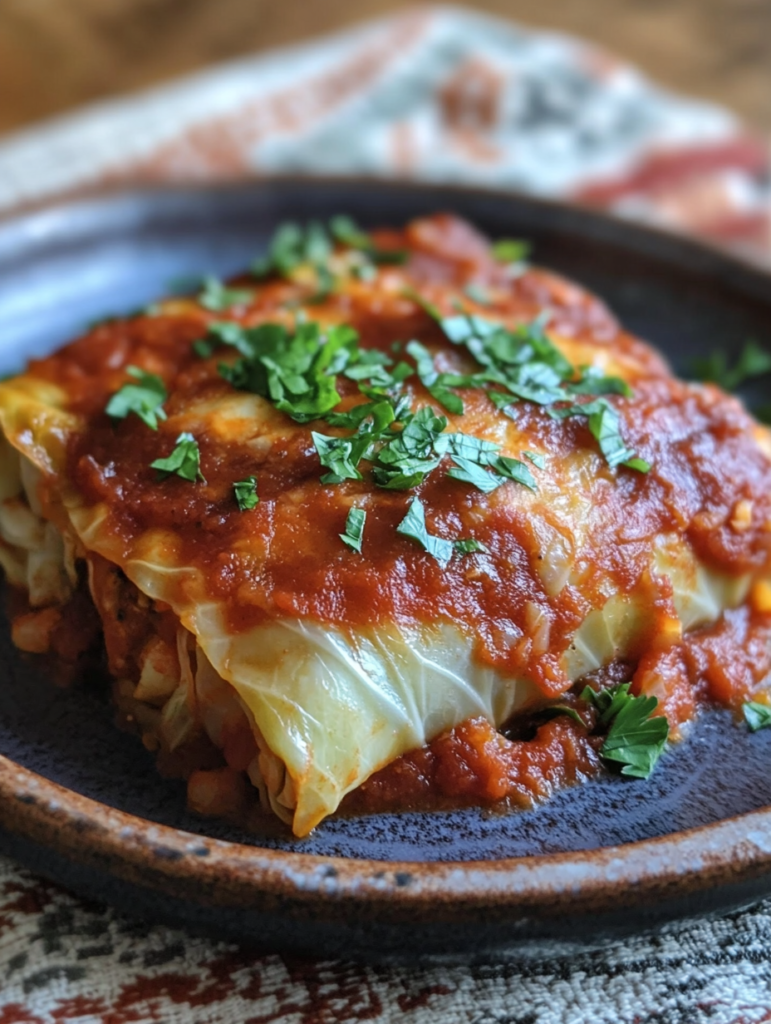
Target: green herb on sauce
[
  {"x": 524, "y": 365},
  {"x": 536, "y": 458},
  {"x": 296, "y": 371},
  {"x": 564, "y": 709},
  {"x": 144, "y": 398},
  {"x": 346, "y": 231},
  {"x": 432, "y": 380},
  {"x": 511, "y": 250},
  {"x": 217, "y": 297},
  {"x": 246, "y": 493},
  {"x": 414, "y": 526},
  {"x": 354, "y": 528},
  {"x": 185, "y": 460},
  {"x": 469, "y": 546},
  {"x": 408, "y": 457},
  {"x": 757, "y": 716},
  {"x": 604, "y": 424},
  {"x": 635, "y": 740},
  {"x": 477, "y": 294},
  {"x": 753, "y": 361},
  {"x": 291, "y": 246},
  {"x": 479, "y": 463}
]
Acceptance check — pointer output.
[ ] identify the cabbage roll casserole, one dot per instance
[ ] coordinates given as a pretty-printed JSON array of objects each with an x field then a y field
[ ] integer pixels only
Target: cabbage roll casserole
[{"x": 394, "y": 520}]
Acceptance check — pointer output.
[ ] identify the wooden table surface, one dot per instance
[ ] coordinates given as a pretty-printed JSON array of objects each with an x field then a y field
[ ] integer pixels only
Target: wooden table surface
[{"x": 55, "y": 54}]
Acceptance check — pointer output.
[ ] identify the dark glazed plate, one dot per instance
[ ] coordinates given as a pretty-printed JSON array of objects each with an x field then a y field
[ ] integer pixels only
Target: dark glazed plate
[{"x": 81, "y": 802}]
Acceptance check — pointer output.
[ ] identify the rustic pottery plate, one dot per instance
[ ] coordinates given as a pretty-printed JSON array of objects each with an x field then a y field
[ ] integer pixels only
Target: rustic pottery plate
[{"x": 81, "y": 802}]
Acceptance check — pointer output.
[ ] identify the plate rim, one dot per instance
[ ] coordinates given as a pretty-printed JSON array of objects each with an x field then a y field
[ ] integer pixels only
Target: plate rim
[{"x": 150, "y": 854}]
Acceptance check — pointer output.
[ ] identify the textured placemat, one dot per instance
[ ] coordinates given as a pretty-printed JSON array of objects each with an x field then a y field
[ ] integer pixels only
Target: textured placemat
[{"x": 442, "y": 95}]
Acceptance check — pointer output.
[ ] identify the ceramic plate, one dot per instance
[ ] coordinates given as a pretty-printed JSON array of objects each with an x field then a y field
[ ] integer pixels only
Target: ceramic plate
[{"x": 82, "y": 803}]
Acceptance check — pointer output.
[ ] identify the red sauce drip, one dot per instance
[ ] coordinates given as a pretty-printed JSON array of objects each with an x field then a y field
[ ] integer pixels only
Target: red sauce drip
[{"x": 474, "y": 764}]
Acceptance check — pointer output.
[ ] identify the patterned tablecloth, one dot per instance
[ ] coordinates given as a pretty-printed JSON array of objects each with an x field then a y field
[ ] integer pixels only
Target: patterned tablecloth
[{"x": 442, "y": 95}]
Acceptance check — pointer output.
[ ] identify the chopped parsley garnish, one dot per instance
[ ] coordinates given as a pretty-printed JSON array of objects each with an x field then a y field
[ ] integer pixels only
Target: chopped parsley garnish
[
  {"x": 296, "y": 371},
  {"x": 511, "y": 250},
  {"x": 325, "y": 285},
  {"x": 635, "y": 740},
  {"x": 408, "y": 457},
  {"x": 524, "y": 365},
  {"x": 604, "y": 424},
  {"x": 564, "y": 709},
  {"x": 185, "y": 460},
  {"x": 479, "y": 463},
  {"x": 246, "y": 493},
  {"x": 477, "y": 294},
  {"x": 354, "y": 528},
  {"x": 757, "y": 716},
  {"x": 425, "y": 305},
  {"x": 432, "y": 381},
  {"x": 469, "y": 546},
  {"x": 342, "y": 455},
  {"x": 217, "y": 297},
  {"x": 346, "y": 231},
  {"x": 414, "y": 526},
  {"x": 145, "y": 398},
  {"x": 753, "y": 362},
  {"x": 293, "y": 245},
  {"x": 536, "y": 458}
]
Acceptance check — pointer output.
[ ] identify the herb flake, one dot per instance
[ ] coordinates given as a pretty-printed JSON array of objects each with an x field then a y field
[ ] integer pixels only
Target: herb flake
[
  {"x": 144, "y": 398},
  {"x": 185, "y": 460},
  {"x": 414, "y": 526},
  {"x": 354, "y": 528},
  {"x": 635, "y": 739},
  {"x": 757, "y": 716},
  {"x": 246, "y": 493}
]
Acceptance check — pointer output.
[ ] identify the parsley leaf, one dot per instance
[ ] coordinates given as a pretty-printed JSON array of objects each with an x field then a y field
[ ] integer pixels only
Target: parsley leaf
[
  {"x": 565, "y": 709},
  {"x": 472, "y": 473},
  {"x": 425, "y": 305},
  {"x": 354, "y": 528},
  {"x": 536, "y": 458},
  {"x": 510, "y": 250},
  {"x": 414, "y": 526},
  {"x": 594, "y": 382},
  {"x": 757, "y": 716},
  {"x": 216, "y": 297},
  {"x": 432, "y": 380},
  {"x": 341, "y": 455},
  {"x": 246, "y": 493},
  {"x": 223, "y": 332},
  {"x": 525, "y": 364},
  {"x": 185, "y": 460},
  {"x": 292, "y": 246},
  {"x": 408, "y": 457},
  {"x": 753, "y": 361},
  {"x": 469, "y": 546},
  {"x": 635, "y": 740},
  {"x": 325, "y": 285},
  {"x": 145, "y": 398},
  {"x": 477, "y": 294},
  {"x": 295, "y": 371},
  {"x": 473, "y": 457},
  {"x": 604, "y": 423},
  {"x": 345, "y": 230}
]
